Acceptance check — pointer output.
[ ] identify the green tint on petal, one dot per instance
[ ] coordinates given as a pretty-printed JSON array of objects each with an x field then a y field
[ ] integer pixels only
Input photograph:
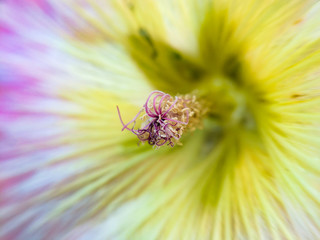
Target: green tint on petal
[{"x": 165, "y": 67}]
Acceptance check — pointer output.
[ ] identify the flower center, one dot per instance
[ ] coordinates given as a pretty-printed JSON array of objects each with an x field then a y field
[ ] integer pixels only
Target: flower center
[
  {"x": 230, "y": 104},
  {"x": 218, "y": 73},
  {"x": 166, "y": 118}
]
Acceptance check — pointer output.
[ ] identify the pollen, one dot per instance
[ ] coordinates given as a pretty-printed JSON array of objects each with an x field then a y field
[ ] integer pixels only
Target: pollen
[{"x": 166, "y": 118}]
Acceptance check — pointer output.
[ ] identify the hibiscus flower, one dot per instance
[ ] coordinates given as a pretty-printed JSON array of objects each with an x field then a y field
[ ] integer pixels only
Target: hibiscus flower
[{"x": 218, "y": 100}]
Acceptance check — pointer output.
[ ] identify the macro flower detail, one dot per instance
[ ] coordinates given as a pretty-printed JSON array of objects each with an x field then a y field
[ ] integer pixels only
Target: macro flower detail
[
  {"x": 237, "y": 82},
  {"x": 166, "y": 118}
]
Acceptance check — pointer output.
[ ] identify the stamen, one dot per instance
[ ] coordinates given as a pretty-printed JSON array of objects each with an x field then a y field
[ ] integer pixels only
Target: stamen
[{"x": 167, "y": 118}]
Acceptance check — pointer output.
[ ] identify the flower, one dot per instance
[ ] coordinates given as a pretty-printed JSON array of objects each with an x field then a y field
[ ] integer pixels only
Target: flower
[{"x": 69, "y": 172}]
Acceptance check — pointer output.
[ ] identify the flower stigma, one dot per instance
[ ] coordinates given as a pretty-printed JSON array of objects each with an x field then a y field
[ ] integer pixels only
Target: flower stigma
[{"x": 165, "y": 118}]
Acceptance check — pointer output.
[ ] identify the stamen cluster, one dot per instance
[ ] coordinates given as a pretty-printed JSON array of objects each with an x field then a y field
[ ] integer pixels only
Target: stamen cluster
[{"x": 165, "y": 119}]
